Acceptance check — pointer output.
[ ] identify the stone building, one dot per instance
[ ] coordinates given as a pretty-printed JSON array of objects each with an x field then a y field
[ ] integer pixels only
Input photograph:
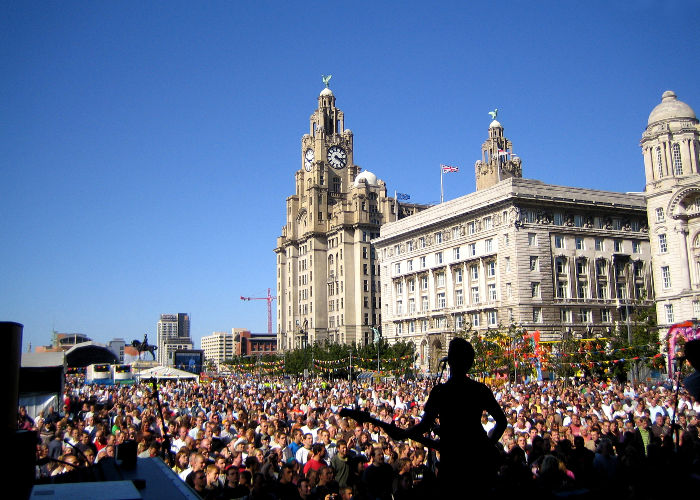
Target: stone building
[
  {"x": 327, "y": 276},
  {"x": 670, "y": 147},
  {"x": 561, "y": 260}
]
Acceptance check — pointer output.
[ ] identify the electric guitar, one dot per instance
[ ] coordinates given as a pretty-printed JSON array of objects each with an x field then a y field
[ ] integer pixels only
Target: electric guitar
[{"x": 391, "y": 430}]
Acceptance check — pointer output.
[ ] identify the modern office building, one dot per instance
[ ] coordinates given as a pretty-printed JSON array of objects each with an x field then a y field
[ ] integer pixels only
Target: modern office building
[
  {"x": 218, "y": 346},
  {"x": 173, "y": 333},
  {"x": 327, "y": 276}
]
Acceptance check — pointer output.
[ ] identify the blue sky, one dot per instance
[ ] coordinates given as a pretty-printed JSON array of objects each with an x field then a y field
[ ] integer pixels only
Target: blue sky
[{"x": 147, "y": 148}]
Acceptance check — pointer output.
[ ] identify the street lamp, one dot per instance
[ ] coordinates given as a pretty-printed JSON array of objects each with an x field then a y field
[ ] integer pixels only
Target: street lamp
[{"x": 377, "y": 338}]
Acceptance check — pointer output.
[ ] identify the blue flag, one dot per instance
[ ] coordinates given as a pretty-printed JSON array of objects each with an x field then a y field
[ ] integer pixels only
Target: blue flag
[{"x": 402, "y": 196}]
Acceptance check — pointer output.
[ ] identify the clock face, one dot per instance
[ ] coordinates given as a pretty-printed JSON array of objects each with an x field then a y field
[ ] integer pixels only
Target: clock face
[
  {"x": 337, "y": 157},
  {"x": 308, "y": 159}
]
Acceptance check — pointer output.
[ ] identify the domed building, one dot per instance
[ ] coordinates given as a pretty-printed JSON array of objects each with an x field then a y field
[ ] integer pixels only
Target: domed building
[
  {"x": 327, "y": 276},
  {"x": 670, "y": 145}
]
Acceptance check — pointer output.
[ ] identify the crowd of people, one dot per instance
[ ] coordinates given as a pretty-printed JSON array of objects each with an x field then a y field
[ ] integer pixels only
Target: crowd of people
[{"x": 268, "y": 438}]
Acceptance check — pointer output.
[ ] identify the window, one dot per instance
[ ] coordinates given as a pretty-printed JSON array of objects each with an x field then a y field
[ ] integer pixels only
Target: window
[
  {"x": 578, "y": 220},
  {"x": 364, "y": 252},
  {"x": 458, "y": 276},
  {"x": 409, "y": 265},
  {"x": 663, "y": 246},
  {"x": 560, "y": 265},
  {"x": 558, "y": 219},
  {"x": 475, "y": 295},
  {"x": 488, "y": 245},
  {"x": 475, "y": 319},
  {"x": 507, "y": 264},
  {"x": 599, "y": 245},
  {"x": 438, "y": 237},
  {"x": 586, "y": 316},
  {"x": 636, "y": 247},
  {"x": 669, "y": 313},
  {"x": 581, "y": 267},
  {"x": 455, "y": 233},
  {"x": 440, "y": 279},
  {"x": 582, "y": 290},
  {"x": 441, "y": 302},
  {"x": 488, "y": 222},
  {"x": 424, "y": 283},
  {"x": 530, "y": 216},
  {"x": 491, "y": 269},
  {"x": 366, "y": 285},
  {"x": 424, "y": 325},
  {"x": 621, "y": 291},
  {"x": 536, "y": 314},
  {"x": 535, "y": 288},
  {"x": 422, "y": 262},
  {"x": 534, "y": 263},
  {"x": 564, "y": 315},
  {"x": 459, "y": 298},
  {"x": 459, "y": 322},
  {"x": 696, "y": 309},
  {"x": 411, "y": 285},
  {"x": 580, "y": 244},
  {"x": 472, "y": 249},
  {"x": 639, "y": 292},
  {"x": 659, "y": 163},
  {"x": 635, "y": 226},
  {"x": 559, "y": 242},
  {"x": 620, "y": 269},
  {"x": 660, "y": 217},
  {"x": 506, "y": 240},
  {"x": 397, "y": 267},
  {"x": 617, "y": 224},
  {"x": 617, "y": 245},
  {"x": 411, "y": 327},
  {"x": 438, "y": 258},
  {"x": 492, "y": 317},
  {"x": 600, "y": 267},
  {"x": 424, "y": 303},
  {"x": 409, "y": 246},
  {"x": 471, "y": 228},
  {"x": 365, "y": 269},
  {"x": 605, "y": 315},
  {"x": 399, "y": 308},
  {"x": 638, "y": 268},
  {"x": 399, "y": 328},
  {"x": 399, "y": 288},
  {"x": 666, "y": 276},
  {"x": 412, "y": 306},
  {"x": 474, "y": 272},
  {"x": 421, "y": 242},
  {"x": 492, "y": 292},
  {"x": 509, "y": 290},
  {"x": 455, "y": 253},
  {"x": 532, "y": 239},
  {"x": 562, "y": 289},
  {"x": 677, "y": 164}
]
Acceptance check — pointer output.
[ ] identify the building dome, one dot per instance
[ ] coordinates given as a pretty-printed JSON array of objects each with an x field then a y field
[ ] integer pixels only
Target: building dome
[
  {"x": 366, "y": 176},
  {"x": 495, "y": 124},
  {"x": 671, "y": 108},
  {"x": 326, "y": 91}
]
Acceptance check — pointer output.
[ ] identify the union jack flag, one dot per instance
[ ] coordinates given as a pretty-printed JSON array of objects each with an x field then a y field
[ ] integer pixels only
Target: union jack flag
[{"x": 447, "y": 168}]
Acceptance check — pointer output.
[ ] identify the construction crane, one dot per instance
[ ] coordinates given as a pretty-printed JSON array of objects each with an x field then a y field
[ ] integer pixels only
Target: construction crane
[{"x": 269, "y": 299}]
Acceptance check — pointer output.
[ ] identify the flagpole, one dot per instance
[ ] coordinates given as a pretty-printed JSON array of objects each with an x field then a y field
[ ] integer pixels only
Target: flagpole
[
  {"x": 396, "y": 206},
  {"x": 441, "y": 191}
]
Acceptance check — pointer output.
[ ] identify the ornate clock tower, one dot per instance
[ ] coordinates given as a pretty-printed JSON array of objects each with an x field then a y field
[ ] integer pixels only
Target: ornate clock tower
[{"x": 327, "y": 275}]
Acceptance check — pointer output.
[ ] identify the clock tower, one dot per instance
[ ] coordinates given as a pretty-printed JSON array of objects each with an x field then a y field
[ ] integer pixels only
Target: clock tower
[{"x": 327, "y": 274}]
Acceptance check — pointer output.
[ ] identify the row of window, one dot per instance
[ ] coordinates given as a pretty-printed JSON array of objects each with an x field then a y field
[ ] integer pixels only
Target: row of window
[
  {"x": 491, "y": 318},
  {"x": 440, "y": 257},
  {"x": 580, "y": 243},
  {"x": 441, "y": 300},
  {"x": 490, "y": 268},
  {"x": 677, "y": 163}
]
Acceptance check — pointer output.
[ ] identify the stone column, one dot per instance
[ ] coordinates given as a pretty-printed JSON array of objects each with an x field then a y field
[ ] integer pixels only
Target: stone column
[{"x": 684, "y": 264}]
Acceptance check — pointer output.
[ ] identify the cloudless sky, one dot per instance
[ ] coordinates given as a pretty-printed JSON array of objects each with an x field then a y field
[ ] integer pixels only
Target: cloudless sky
[{"x": 147, "y": 148}]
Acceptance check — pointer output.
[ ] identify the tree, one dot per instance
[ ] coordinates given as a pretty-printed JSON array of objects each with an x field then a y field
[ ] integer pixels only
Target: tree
[
  {"x": 506, "y": 349},
  {"x": 644, "y": 345}
]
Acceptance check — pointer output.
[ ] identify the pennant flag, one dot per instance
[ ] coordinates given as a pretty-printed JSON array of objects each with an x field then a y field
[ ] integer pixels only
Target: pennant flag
[
  {"x": 447, "y": 168},
  {"x": 402, "y": 196}
]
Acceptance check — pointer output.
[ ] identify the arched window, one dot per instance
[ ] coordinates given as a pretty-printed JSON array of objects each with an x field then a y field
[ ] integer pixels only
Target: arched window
[
  {"x": 677, "y": 164},
  {"x": 659, "y": 164}
]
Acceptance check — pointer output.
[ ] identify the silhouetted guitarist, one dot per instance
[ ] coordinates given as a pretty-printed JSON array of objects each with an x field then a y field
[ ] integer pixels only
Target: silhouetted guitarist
[{"x": 466, "y": 452}]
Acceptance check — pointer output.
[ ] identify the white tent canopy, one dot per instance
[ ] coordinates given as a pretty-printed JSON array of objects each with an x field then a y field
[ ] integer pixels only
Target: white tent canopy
[{"x": 164, "y": 372}]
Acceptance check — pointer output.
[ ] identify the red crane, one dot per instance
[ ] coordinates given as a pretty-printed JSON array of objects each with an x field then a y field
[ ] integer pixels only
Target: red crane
[{"x": 269, "y": 299}]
